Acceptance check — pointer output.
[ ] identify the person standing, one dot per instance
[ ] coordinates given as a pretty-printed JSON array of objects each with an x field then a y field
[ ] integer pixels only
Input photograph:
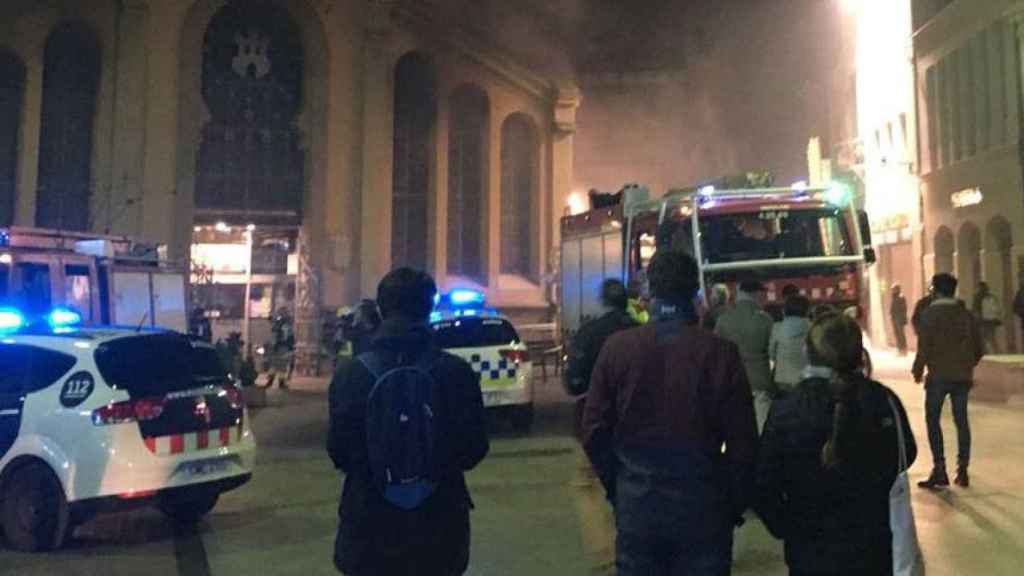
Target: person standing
[
  {"x": 787, "y": 347},
  {"x": 748, "y": 326},
  {"x": 669, "y": 426},
  {"x": 898, "y": 315},
  {"x": 718, "y": 302},
  {"x": 950, "y": 347},
  {"x": 587, "y": 343},
  {"x": 829, "y": 456},
  {"x": 413, "y": 524},
  {"x": 989, "y": 314}
]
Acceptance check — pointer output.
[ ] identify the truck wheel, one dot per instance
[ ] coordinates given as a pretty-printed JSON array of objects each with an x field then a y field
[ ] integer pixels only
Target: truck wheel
[
  {"x": 35, "y": 512},
  {"x": 521, "y": 417},
  {"x": 187, "y": 509}
]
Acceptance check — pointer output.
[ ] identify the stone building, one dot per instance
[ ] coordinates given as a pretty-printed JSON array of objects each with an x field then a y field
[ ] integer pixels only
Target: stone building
[
  {"x": 368, "y": 133},
  {"x": 969, "y": 97}
]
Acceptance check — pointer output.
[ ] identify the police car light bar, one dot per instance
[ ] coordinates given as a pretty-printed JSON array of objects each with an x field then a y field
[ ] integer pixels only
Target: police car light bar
[
  {"x": 63, "y": 318},
  {"x": 466, "y": 297},
  {"x": 11, "y": 319}
]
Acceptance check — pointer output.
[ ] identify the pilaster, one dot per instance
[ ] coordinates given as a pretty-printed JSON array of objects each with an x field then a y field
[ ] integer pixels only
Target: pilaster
[
  {"x": 29, "y": 134},
  {"x": 438, "y": 201},
  {"x": 566, "y": 101}
]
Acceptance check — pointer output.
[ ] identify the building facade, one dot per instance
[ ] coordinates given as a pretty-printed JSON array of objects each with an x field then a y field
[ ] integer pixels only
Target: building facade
[
  {"x": 353, "y": 135},
  {"x": 885, "y": 152},
  {"x": 969, "y": 97}
]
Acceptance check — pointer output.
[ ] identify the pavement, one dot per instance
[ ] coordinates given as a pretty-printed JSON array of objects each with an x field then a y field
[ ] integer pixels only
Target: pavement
[{"x": 528, "y": 520}]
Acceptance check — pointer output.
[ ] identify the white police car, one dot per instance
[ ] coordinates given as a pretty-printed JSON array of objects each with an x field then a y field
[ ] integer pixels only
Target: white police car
[
  {"x": 99, "y": 419},
  {"x": 463, "y": 326}
]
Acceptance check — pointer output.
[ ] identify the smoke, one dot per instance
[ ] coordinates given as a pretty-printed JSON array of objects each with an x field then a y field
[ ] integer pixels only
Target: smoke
[{"x": 696, "y": 90}]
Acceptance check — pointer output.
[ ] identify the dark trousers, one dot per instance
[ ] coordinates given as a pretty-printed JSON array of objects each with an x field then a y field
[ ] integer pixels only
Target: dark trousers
[
  {"x": 644, "y": 555},
  {"x": 935, "y": 396},
  {"x": 900, "y": 330}
]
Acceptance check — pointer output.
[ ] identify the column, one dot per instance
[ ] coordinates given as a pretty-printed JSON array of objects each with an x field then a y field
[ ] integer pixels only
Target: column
[
  {"x": 567, "y": 100},
  {"x": 159, "y": 168},
  {"x": 492, "y": 229},
  {"x": 378, "y": 148},
  {"x": 438, "y": 201},
  {"x": 307, "y": 309},
  {"x": 28, "y": 157}
]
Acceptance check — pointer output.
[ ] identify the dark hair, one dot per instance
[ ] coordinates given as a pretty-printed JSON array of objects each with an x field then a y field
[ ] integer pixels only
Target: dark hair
[
  {"x": 836, "y": 341},
  {"x": 614, "y": 295},
  {"x": 790, "y": 290},
  {"x": 367, "y": 314},
  {"x": 945, "y": 284},
  {"x": 406, "y": 293},
  {"x": 752, "y": 287},
  {"x": 820, "y": 311},
  {"x": 797, "y": 306},
  {"x": 673, "y": 275}
]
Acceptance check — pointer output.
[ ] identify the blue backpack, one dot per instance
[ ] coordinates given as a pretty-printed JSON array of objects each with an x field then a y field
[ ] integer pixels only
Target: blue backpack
[{"x": 402, "y": 429}]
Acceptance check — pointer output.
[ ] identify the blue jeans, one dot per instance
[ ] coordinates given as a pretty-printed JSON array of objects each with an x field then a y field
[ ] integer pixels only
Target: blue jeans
[
  {"x": 935, "y": 396},
  {"x": 645, "y": 555}
]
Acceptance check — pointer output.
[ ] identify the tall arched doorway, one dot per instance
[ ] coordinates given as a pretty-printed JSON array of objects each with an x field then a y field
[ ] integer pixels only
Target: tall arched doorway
[
  {"x": 12, "y": 87},
  {"x": 999, "y": 272},
  {"x": 468, "y": 176},
  {"x": 71, "y": 72},
  {"x": 968, "y": 253},
  {"x": 415, "y": 113},
  {"x": 945, "y": 247},
  {"x": 519, "y": 165}
]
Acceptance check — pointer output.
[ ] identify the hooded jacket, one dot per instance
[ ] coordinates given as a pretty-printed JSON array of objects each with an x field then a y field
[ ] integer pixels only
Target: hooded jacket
[{"x": 373, "y": 536}]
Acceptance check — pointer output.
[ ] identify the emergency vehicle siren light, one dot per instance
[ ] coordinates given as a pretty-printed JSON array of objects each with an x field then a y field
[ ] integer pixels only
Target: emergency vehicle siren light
[
  {"x": 11, "y": 319},
  {"x": 837, "y": 194},
  {"x": 466, "y": 297},
  {"x": 63, "y": 318},
  {"x": 707, "y": 191}
]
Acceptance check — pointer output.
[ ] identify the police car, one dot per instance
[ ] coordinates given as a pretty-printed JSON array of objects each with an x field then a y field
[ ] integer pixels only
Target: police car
[
  {"x": 464, "y": 326},
  {"x": 98, "y": 419}
]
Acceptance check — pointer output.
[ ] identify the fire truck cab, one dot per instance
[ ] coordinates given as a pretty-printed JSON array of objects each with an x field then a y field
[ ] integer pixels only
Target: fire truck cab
[
  {"x": 108, "y": 280},
  {"x": 811, "y": 238}
]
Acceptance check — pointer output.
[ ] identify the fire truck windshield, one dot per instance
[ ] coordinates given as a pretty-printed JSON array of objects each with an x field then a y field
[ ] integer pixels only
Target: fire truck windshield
[
  {"x": 766, "y": 235},
  {"x": 771, "y": 234}
]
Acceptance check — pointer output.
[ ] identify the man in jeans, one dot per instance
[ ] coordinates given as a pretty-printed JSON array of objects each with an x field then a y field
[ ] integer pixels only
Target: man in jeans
[
  {"x": 950, "y": 346},
  {"x": 669, "y": 426}
]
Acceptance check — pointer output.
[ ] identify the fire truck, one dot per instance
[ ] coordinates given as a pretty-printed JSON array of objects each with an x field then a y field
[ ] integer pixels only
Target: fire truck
[
  {"x": 108, "y": 280},
  {"x": 812, "y": 238}
]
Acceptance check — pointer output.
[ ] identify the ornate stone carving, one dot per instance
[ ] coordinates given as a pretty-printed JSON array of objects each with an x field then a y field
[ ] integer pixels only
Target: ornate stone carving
[{"x": 567, "y": 100}]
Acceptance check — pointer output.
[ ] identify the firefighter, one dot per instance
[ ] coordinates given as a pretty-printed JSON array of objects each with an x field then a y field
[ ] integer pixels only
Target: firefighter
[{"x": 282, "y": 350}]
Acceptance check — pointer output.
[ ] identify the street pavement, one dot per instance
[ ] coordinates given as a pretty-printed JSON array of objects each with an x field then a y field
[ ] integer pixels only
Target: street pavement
[{"x": 527, "y": 519}]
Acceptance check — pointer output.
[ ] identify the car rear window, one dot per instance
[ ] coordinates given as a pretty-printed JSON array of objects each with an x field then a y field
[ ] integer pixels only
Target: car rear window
[
  {"x": 155, "y": 364},
  {"x": 27, "y": 369},
  {"x": 474, "y": 332}
]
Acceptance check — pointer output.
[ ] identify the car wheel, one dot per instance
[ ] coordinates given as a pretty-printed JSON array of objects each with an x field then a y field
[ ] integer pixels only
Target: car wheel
[
  {"x": 35, "y": 511},
  {"x": 521, "y": 417},
  {"x": 187, "y": 509}
]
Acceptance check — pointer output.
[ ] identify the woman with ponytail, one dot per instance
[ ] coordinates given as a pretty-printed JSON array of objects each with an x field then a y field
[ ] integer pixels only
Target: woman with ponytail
[{"x": 829, "y": 456}]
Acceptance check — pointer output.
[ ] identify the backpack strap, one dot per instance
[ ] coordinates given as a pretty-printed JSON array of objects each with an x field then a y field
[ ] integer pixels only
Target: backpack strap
[{"x": 374, "y": 363}]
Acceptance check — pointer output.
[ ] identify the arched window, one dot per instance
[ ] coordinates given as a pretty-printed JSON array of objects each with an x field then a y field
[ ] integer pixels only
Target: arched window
[
  {"x": 467, "y": 181},
  {"x": 250, "y": 162},
  {"x": 12, "y": 84},
  {"x": 414, "y": 120},
  {"x": 71, "y": 72},
  {"x": 518, "y": 180}
]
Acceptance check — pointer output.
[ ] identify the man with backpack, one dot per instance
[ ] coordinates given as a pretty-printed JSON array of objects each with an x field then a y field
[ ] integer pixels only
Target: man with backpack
[{"x": 406, "y": 422}]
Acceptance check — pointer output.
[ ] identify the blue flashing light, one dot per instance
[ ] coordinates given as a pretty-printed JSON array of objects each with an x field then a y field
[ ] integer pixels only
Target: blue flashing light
[
  {"x": 62, "y": 318},
  {"x": 707, "y": 191},
  {"x": 466, "y": 297},
  {"x": 11, "y": 319},
  {"x": 436, "y": 317},
  {"x": 837, "y": 195}
]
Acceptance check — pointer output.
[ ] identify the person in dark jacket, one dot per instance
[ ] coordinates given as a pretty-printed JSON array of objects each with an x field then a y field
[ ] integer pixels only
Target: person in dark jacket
[
  {"x": 898, "y": 315},
  {"x": 829, "y": 456},
  {"x": 664, "y": 399},
  {"x": 375, "y": 537},
  {"x": 919, "y": 308},
  {"x": 587, "y": 343}
]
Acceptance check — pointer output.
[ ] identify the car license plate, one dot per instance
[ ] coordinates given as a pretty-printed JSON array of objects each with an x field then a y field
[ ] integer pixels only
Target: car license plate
[{"x": 206, "y": 467}]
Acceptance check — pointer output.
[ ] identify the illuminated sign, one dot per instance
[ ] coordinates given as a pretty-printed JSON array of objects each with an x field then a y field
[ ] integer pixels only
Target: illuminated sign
[{"x": 965, "y": 198}]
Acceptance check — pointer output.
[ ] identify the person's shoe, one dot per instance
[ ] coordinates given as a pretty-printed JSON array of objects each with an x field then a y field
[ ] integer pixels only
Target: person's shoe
[
  {"x": 962, "y": 479},
  {"x": 937, "y": 481}
]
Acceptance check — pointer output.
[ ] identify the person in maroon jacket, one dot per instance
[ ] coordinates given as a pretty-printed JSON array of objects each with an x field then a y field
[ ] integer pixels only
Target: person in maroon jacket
[{"x": 669, "y": 426}]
